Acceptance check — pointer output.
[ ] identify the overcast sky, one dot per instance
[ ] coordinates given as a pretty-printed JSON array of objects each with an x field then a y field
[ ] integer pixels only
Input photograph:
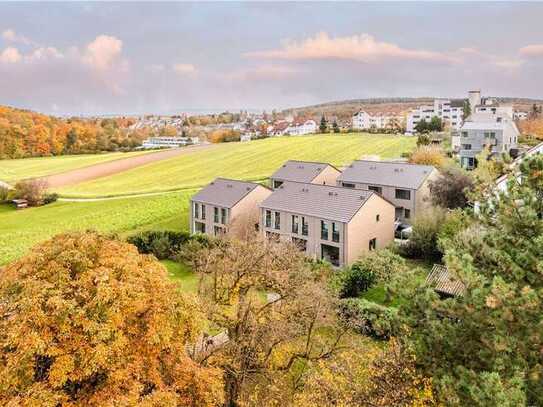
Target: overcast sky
[{"x": 101, "y": 58}]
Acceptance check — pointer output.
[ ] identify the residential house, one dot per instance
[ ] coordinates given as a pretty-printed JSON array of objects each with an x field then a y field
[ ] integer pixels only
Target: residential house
[
  {"x": 221, "y": 201},
  {"x": 301, "y": 126},
  {"x": 405, "y": 185},
  {"x": 328, "y": 222},
  {"x": 362, "y": 120},
  {"x": 499, "y": 133},
  {"x": 305, "y": 171},
  {"x": 168, "y": 142}
]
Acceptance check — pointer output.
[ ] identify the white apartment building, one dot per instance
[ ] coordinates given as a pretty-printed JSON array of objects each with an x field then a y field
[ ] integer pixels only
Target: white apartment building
[
  {"x": 362, "y": 120},
  {"x": 451, "y": 112},
  {"x": 300, "y": 127},
  {"x": 169, "y": 142}
]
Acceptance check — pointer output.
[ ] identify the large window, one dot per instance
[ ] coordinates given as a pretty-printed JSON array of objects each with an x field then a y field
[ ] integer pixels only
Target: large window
[
  {"x": 403, "y": 194},
  {"x": 203, "y": 212},
  {"x": 216, "y": 214},
  {"x": 330, "y": 254},
  {"x": 219, "y": 230},
  {"x": 277, "y": 220},
  {"x": 295, "y": 224},
  {"x": 199, "y": 227},
  {"x": 268, "y": 218},
  {"x": 335, "y": 232},
  {"x": 376, "y": 189},
  {"x": 223, "y": 216},
  {"x": 466, "y": 146},
  {"x": 196, "y": 210},
  {"x": 305, "y": 227},
  {"x": 324, "y": 230},
  {"x": 347, "y": 185},
  {"x": 407, "y": 213}
]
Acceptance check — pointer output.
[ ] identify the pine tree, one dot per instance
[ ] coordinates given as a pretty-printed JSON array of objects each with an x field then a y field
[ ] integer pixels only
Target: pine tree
[
  {"x": 324, "y": 125},
  {"x": 335, "y": 127}
]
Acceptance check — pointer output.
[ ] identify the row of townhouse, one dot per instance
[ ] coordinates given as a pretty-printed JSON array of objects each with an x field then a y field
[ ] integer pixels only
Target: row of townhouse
[
  {"x": 362, "y": 120},
  {"x": 331, "y": 215},
  {"x": 297, "y": 127}
]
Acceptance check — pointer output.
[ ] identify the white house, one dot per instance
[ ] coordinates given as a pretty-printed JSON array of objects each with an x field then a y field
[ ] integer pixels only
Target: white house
[
  {"x": 451, "y": 112},
  {"x": 362, "y": 120},
  {"x": 518, "y": 115},
  {"x": 169, "y": 142},
  {"x": 300, "y": 127}
]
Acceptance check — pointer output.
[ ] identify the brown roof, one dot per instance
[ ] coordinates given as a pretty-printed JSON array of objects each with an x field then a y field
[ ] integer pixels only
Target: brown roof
[
  {"x": 396, "y": 174},
  {"x": 444, "y": 282},
  {"x": 300, "y": 171},
  {"x": 225, "y": 192},
  {"x": 321, "y": 201}
]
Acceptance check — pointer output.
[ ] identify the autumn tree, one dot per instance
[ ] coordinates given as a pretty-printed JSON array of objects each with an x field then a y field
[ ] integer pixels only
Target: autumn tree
[
  {"x": 484, "y": 347},
  {"x": 33, "y": 190},
  {"x": 428, "y": 155},
  {"x": 85, "y": 320},
  {"x": 451, "y": 188},
  {"x": 257, "y": 293}
]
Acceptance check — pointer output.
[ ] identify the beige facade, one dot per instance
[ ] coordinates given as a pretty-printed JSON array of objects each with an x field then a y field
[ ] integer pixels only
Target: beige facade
[
  {"x": 213, "y": 217},
  {"x": 327, "y": 177},
  {"x": 408, "y": 201},
  {"x": 306, "y": 172},
  {"x": 341, "y": 243}
]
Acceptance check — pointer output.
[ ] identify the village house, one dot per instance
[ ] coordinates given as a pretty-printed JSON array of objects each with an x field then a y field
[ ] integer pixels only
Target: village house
[
  {"x": 301, "y": 126},
  {"x": 405, "y": 185},
  {"x": 305, "y": 171},
  {"x": 223, "y": 200},
  {"x": 328, "y": 222},
  {"x": 362, "y": 120}
]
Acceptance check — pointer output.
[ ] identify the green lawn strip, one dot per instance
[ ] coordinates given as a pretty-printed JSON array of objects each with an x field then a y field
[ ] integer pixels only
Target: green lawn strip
[
  {"x": 22, "y": 229},
  {"x": 181, "y": 273},
  {"x": 249, "y": 161},
  {"x": 13, "y": 170}
]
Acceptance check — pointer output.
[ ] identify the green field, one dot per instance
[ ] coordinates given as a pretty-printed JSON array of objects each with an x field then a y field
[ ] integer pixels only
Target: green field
[
  {"x": 249, "y": 161},
  {"x": 182, "y": 274},
  {"x": 13, "y": 170},
  {"x": 20, "y": 230}
]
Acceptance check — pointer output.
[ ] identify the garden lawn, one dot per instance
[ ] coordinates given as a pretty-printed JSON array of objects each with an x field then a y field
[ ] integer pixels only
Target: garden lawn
[
  {"x": 255, "y": 160},
  {"x": 182, "y": 274},
  {"x": 13, "y": 170},
  {"x": 22, "y": 229}
]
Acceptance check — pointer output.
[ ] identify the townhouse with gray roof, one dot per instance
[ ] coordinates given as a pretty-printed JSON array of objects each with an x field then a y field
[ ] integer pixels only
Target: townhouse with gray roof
[
  {"x": 215, "y": 206},
  {"x": 405, "y": 185},
  {"x": 305, "y": 171},
  {"x": 328, "y": 222}
]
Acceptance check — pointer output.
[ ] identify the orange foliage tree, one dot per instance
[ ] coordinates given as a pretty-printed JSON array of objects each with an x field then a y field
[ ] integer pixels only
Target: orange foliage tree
[
  {"x": 85, "y": 320},
  {"x": 532, "y": 127},
  {"x": 428, "y": 155}
]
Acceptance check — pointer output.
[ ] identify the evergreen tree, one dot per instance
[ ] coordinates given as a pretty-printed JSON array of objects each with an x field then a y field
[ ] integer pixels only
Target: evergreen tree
[
  {"x": 335, "y": 127},
  {"x": 324, "y": 125},
  {"x": 466, "y": 109},
  {"x": 422, "y": 127},
  {"x": 484, "y": 347}
]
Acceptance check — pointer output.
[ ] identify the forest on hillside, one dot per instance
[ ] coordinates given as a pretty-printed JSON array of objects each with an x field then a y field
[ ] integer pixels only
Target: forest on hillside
[{"x": 25, "y": 133}]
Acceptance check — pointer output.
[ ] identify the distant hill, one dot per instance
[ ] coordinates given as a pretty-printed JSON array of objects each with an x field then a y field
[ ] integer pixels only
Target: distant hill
[{"x": 344, "y": 109}]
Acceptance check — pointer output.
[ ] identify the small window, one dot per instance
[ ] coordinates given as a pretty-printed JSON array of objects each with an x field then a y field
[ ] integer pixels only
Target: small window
[
  {"x": 196, "y": 210},
  {"x": 295, "y": 224},
  {"x": 305, "y": 227},
  {"x": 464, "y": 134},
  {"x": 347, "y": 185},
  {"x": 219, "y": 231},
  {"x": 335, "y": 232},
  {"x": 324, "y": 230},
  {"x": 377, "y": 218},
  {"x": 407, "y": 213},
  {"x": 268, "y": 218},
  {"x": 216, "y": 214},
  {"x": 466, "y": 146},
  {"x": 223, "y": 216},
  {"x": 277, "y": 220},
  {"x": 375, "y": 189},
  {"x": 277, "y": 184},
  {"x": 203, "y": 212},
  {"x": 373, "y": 244},
  {"x": 403, "y": 194}
]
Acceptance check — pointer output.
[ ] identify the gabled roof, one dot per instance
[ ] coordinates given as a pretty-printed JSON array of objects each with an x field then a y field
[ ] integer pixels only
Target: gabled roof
[
  {"x": 225, "y": 192},
  {"x": 443, "y": 282},
  {"x": 321, "y": 201},
  {"x": 300, "y": 171},
  {"x": 396, "y": 174}
]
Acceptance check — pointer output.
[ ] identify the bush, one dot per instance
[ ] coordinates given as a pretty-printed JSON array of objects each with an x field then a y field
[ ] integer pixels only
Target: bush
[
  {"x": 33, "y": 190},
  {"x": 50, "y": 198},
  {"x": 4, "y": 193},
  {"x": 369, "y": 318},
  {"x": 428, "y": 155},
  {"x": 374, "y": 267},
  {"x": 450, "y": 190},
  {"x": 162, "y": 244},
  {"x": 423, "y": 240}
]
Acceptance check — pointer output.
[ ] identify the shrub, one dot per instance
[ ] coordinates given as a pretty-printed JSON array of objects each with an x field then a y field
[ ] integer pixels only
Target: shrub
[
  {"x": 423, "y": 240},
  {"x": 369, "y": 318},
  {"x": 428, "y": 155},
  {"x": 374, "y": 267},
  {"x": 450, "y": 190},
  {"x": 50, "y": 198},
  {"x": 4, "y": 193},
  {"x": 33, "y": 190},
  {"x": 162, "y": 244}
]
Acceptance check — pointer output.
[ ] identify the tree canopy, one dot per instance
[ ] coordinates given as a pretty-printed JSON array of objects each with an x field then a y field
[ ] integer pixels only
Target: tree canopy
[{"x": 85, "y": 320}]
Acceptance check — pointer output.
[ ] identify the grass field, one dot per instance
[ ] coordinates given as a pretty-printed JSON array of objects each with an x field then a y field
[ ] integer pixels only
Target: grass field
[
  {"x": 20, "y": 230},
  {"x": 250, "y": 161},
  {"x": 182, "y": 274},
  {"x": 13, "y": 170}
]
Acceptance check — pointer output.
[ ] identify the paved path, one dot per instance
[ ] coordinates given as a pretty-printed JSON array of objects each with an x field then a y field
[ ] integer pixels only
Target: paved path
[{"x": 113, "y": 167}]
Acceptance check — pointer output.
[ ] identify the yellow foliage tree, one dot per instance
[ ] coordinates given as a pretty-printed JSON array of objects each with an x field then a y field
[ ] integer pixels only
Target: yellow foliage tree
[
  {"x": 85, "y": 320},
  {"x": 428, "y": 155}
]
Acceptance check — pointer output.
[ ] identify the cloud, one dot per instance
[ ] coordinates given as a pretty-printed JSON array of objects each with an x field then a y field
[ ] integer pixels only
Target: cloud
[
  {"x": 264, "y": 72},
  {"x": 534, "y": 50},
  {"x": 155, "y": 68},
  {"x": 44, "y": 53},
  {"x": 10, "y": 55},
  {"x": 10, "y": 35},
  {"x": 103, "y": 52},
  {"x": 363, "y": 47},
  {"x": 184, "y": 69}
]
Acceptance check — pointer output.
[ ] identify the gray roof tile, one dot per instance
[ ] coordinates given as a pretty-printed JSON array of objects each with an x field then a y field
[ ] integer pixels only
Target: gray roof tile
[
  {"x": 225, "y": 192},
  {"x": 299, "y": 171},
  {"x": 396, "y": 174},
  {"x": 320, "y": 201}
]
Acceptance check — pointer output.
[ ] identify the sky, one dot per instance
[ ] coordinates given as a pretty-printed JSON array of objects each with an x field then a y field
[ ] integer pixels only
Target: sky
[{"x": 166, "y": 58}]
